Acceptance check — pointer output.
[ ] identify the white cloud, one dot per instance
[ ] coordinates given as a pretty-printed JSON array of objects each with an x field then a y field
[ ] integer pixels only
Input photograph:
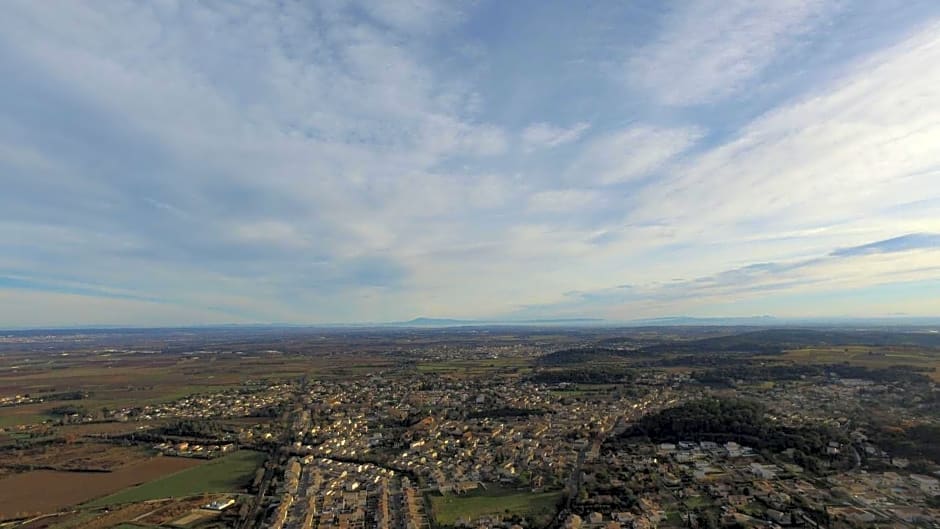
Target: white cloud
[
  {"x": 570, "y": 201},
  {"x": 763, "y": 281},
  {"x": 335, "y": 161},
  {"x": 711, "y": 49},
  {"x": 631, "y": 153},
  {"x": 545, "y": 135},
  {"x": 277, "y": 233},
  {"x": 413, "y": 15},
  {"x": 839, "y": 156}
]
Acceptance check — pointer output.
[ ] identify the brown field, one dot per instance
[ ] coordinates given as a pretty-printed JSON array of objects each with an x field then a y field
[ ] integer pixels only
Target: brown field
[
  {"x": 79, "y": 456},
  {"x": 118, "y": 380},
  {"x": 44, "y": 491}
]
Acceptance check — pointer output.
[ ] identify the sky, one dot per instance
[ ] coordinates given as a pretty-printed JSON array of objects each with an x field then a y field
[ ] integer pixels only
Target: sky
[{"x": 334, "y": 161}]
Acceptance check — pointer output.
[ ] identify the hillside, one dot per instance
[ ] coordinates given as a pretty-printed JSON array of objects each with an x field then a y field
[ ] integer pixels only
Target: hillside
[{"x": 766, "y": 342}]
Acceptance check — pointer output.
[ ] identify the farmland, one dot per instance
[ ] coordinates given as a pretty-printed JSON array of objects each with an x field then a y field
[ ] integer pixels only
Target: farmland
[
  {"x": 476, "y": 366},
  {"x": 48, "y": 490},
  {"x": 361, "y": 411},
  {"x": 227, "y": 474},
  {"x": 77, "y": 456},
  {"x": 9, "y": 419},
  {"x": 870, "y": 357},
  {"x": 450, "y": 508}
]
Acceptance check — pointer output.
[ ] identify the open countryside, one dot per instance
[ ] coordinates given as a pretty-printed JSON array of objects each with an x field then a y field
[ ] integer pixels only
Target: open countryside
[
  {"x": 227, "y": 474},
  {"x": 43, "y": 491},
  {"x": 486, "y": 264}
]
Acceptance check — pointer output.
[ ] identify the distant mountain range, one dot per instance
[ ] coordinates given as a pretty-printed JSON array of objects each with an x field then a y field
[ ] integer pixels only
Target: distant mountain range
[
  {"x": 929, "y": 324},
  {"x": 675, "y": 321},
  {"x": 766, "y": 341},
  {"x": 448, "y": 322}
]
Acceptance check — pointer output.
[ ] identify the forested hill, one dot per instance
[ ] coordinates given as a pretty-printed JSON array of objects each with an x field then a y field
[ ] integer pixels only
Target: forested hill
[
  {"x": 777, "y": 340},
  {"x": 581, "y": 355},
  {"x": 724, "y": 419},
  {"x": 770, "y": 341}
]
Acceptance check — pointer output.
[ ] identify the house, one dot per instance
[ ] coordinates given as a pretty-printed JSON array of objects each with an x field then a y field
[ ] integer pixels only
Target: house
[
  {"x": 652, "y": 510},
  {"x": 667, "y": 448},
  {"x": 738, "y": 500},
  {"x": 782, "y": 518},
  {"x": 220, "y": 504},
  {"x": 466, "y": 486},
  {"x": 763, "y": 471},
  {"x": 573, "y": 522}
]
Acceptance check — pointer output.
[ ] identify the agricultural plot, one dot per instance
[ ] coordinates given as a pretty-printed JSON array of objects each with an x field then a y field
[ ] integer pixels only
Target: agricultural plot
[
  {"x": 448, "y": 509},
  {"x": 12, "y": 416},
  {"x": 117, "y": 380},
  {"x": 79, "y": 456},
  {"x": 43, "y": 491},
  {"x": 870, "y": 357},
  {"x": 227, "y": 474}
]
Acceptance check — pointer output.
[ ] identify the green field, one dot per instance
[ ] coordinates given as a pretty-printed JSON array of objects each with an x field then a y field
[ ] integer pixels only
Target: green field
[
  {"x": 7, "y": 421},
  {"x": 450, "y": 508},
  {"x": 226, "y": 474}
]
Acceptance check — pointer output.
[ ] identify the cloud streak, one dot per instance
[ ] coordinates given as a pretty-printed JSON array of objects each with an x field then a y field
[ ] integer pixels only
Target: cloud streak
[
  {"x": 544, "y": 135},
  {"x": 711, "y": 50},
  {"x": 906, "y": 258},
  {"x": 344, "y": 161},
  {"x": 904, "y": 243}
]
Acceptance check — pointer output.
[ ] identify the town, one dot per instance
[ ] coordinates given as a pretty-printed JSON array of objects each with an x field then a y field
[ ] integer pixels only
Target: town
[{"x": 476, "y": 433}]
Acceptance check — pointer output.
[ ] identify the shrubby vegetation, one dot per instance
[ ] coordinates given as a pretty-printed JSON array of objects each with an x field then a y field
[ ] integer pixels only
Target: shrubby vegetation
[
  {"x": 607, "y": 375},
  {"x": 193, "y": 428},
  {"x": 749, "y": 372},
  {"x": 917, "y": 442},
  {"x": 580, "y": 355},
  {"x": 765, "y": 342},
  {"x": 67, "y": 409},
  {"x": 723, "y": 419}
]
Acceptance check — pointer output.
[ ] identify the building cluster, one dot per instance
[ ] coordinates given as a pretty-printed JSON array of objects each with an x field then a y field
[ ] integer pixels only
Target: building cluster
[
  {"x": 370, "y": 448},
  {"x": 187, "y": 449},
  {"x": 675, "y": 484},
  {"x": 324, "y": 493},
  {"x": 18, "y": 400},
  {"x": 455, "y": 434},
  {"x": 242, "y": 402}
]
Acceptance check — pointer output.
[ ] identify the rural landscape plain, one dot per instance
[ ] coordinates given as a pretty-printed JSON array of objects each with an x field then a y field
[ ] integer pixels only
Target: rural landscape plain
[
  {"x": 469, "y": 264},
  {"x": 470, "y": 426}
]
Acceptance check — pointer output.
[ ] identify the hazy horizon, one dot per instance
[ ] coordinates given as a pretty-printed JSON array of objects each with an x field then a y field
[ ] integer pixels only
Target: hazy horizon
[{"x": 337, "y": 162}]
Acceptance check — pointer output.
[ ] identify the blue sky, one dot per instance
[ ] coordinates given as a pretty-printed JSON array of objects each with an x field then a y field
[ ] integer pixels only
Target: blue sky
[{"x": 346, "y": 161}]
